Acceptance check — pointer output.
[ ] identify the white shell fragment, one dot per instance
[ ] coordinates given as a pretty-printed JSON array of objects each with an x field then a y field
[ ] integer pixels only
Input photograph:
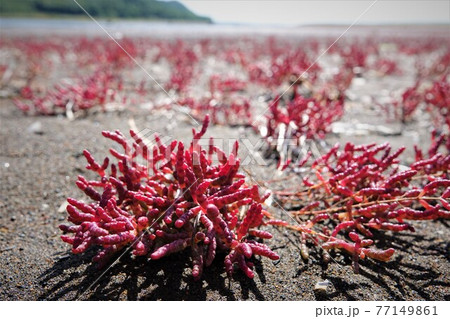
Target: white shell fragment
[{"x": 322, "y": 286}]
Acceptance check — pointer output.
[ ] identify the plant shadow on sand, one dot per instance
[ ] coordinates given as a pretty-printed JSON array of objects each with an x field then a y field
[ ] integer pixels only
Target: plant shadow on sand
[
  {"x": 412, "y": 274},
  {"x": 76, "y": 278}
]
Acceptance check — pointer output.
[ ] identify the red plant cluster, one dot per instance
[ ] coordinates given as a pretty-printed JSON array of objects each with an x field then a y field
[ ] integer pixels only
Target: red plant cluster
[
  {"x": 283, "y": 67},
  {"x": 386, "y": 67},
  {"x": 411, "y": 99},
  {"x": 342, "y": 80},
  {"x": 38, "y": 60},
  {"x": 268, "y": 65},
  {"x": 96, "y": 90},
  {"x": 437, "y": 99},
  {"x": 442, "y": 65},
  {"x": 183, "y": 61},
  {"x": 34, "y": 55},
  {"x": 180, "y": 200},
  {"x": 302, "y": 117},
  {"x": 217, "y": 84},
  {"x": 417, "y": 47},
  {"x": 104, "y": 52},
  {"x": 358, "y": 190},
  {"x": 221, "y": 110},
  {"x": 355, "y": 55}
]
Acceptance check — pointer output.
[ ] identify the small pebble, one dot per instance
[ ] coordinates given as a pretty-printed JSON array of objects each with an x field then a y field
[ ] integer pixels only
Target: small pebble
[
  {"x": 322, "y": 286},
  {"x": 62, "y": 207},
  {"x": 36, "y": 128}
]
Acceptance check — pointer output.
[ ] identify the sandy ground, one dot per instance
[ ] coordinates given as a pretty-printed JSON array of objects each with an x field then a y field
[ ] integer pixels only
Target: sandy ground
[
  {"x": 40, "y": 158},
  {"x": 38, "y": 173}
]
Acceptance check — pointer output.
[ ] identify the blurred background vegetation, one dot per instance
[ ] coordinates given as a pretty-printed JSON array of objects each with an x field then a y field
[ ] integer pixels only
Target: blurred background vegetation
[{"x": 143, "y": 9}]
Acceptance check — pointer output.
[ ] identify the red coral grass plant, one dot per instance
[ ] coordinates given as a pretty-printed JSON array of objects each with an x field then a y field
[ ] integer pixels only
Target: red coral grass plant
[
  {"x": 409, "y": 102},
  {"x": 282, "y": 67},
  {"x": 181, "y": 76},
  {"x": 35, "y": 57},
  {"x": 226, "y": 85},
  {"x": 342, "y": 80},
  {"x": 102, "y": 51},
  {"x": 180, "y": 200},
  {"x": 437, "y": 99},
  {"x": 420, "y": 46},
  {"x": 355, "y": 55},
  {"x": 442, "y": 65},
  {"x": 384, "y": 66},
  {"x": 301, "y": 118},
  {"x": 223, "y": 110},
  {"x": 183, "y": 60},
  {"x": 359, "y": 190},
  {"x": 95, "y": 90}
]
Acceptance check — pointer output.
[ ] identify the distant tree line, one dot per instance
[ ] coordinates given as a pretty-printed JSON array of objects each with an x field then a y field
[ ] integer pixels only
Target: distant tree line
[{"x": 151, "y": 9}]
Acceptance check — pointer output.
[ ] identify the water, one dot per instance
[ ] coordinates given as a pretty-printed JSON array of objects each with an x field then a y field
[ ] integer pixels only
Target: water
[
  {"x": 23, "y": 26},
  {"x": 150, "y": 28}
]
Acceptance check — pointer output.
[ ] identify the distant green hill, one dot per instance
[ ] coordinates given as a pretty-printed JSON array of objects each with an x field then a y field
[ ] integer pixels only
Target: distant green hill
[{"x": 146, "y": 9}]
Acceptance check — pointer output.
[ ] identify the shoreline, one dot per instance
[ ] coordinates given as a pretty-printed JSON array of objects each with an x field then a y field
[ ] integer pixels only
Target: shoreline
[{"x": 15, "y": 26}]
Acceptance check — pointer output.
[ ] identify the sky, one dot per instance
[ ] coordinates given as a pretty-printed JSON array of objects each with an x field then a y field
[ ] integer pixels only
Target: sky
[{"x": 300, "y": 12}]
